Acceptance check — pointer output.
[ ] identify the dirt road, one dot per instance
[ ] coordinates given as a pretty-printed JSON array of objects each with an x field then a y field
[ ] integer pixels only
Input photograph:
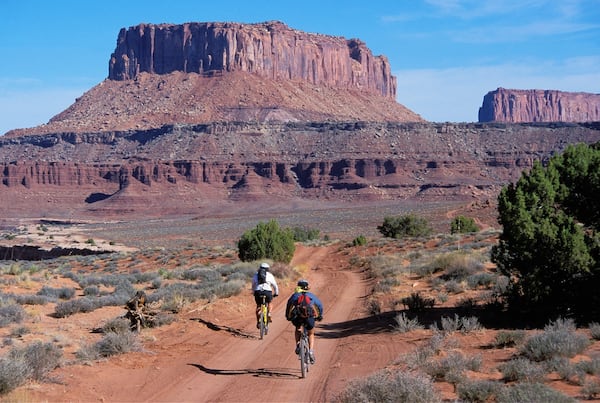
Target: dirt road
[{"x": 214, "y": 354}]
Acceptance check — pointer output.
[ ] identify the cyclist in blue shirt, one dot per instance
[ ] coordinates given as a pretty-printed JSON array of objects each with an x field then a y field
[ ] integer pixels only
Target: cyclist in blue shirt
[{"x": 306, "y": 319}]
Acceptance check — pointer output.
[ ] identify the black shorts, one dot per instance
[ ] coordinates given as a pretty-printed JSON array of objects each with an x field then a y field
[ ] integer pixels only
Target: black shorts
[
  {"x": 258, "y": 297},
  {"x": 309, "y": 323}
]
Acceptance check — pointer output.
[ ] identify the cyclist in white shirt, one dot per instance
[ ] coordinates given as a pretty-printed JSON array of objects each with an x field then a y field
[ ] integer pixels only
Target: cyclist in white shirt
[{"x": 264, "y": 283}]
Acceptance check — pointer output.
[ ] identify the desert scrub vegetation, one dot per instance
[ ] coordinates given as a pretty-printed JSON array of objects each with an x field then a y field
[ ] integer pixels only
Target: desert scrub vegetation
[
  {"x": 117, "y": 339},
  {"x": 405, "y": 226},
  {"x": 390, "y": 386},
  {"x": 32, "y": 362},
  {"x": 559, "y": 339}
]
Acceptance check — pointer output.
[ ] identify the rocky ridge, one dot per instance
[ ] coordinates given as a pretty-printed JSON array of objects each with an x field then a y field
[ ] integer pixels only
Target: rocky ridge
[
  {"x": 510, "y": 105},
  {"x": 187, "y": 168}
]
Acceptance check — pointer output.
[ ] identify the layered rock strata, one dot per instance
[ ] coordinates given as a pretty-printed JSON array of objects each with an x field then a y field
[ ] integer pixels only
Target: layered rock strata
[
  {"x": 270, "y": 49},
  {"x": 506, "y": 105},
  {"x": 232, "y": 161}
]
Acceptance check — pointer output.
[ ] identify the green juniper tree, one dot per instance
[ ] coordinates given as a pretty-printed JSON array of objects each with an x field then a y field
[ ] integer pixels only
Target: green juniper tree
[{"x": 549, "y": 246}]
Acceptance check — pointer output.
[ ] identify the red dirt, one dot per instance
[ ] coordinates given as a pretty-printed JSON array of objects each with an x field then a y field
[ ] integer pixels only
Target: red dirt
[{"x": 213, "y": 353}]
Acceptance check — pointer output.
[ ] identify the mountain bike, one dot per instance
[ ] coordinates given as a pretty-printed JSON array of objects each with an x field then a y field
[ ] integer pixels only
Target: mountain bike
[
  {"x": 304, "y": 352},
  {"x": 263, "y": 319}
]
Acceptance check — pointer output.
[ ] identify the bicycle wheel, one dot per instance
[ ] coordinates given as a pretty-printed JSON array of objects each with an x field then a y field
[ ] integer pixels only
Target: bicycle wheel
[
  {"x": 303, "y": 357},
  {"x": 262, "y": 319}
]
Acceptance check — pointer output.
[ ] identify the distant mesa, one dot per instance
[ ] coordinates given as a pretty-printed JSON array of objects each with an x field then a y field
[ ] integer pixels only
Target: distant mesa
[
  {"x": 201, "y": 73},
  {"x": 518, "y": 106},
  {"x": 270, "y": 49}
]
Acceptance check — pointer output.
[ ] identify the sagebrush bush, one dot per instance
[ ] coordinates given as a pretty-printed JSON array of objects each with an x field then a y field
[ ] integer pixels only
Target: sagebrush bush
[
  {"x": 479, "y": 391},
  {"x": 32, "y": 362},
  {"x": 41, "y": 358},
  {"x": 405, "y": 324},
  {"x": 13, "y": 373},
  {"x": 522, "y": 370},
  {"x": 559, "y": 339},
  {"x": 116, "y": 325},
  {"x": 68, "y": 308},
  {"x": 384, "y": 386},
  {"x": 111, "y": 344},
  {"x": 59, "y": 293},
  {"x": 591, "y": 389},
  {"x": 509, "y": 338},
  {"x": 594, "y": 330},
  {"x": 10, "y": 312},
  {"x": 531, "y": 392},
  {"x": 451, "y": 367}
]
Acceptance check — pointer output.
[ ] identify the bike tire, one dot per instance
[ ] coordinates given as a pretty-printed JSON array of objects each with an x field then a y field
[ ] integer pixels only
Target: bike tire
[
  {"x": 303, "y": 358},
  {"x": 262, "y": 324}
]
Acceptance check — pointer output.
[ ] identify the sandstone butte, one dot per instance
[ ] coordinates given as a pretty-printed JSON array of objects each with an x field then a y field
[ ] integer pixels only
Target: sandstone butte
[
  {"x": 509, "y": 105},
  {"x": 201, "y": 114}
]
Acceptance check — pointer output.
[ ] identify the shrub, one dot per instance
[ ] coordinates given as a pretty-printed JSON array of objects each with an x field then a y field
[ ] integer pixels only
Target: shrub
[
  {"x": 417, "y": 303},
  {"x": 558, "y": 339},
  {"x": 384, "y": 386},
  {"x": 591, "y": 389},
  {"x": 68, "y": 308},
  {"x": 41, "y": 358},
  {"x": 303, "y": 234},
  {"x": 408, "y": 225},
  {"x": 451, "y": 368},
  {"x": 10, "y": 312},
  {"x": 31, "y": 362},
  {"x": 594, "y": 330},
  {"x": 13, "y": 373},
  {"x": 116, "y": 325},
  {"x": 404, "y": 324},
  {"x": 477, "y": 391},
  {"x": 359, "y": 241},
  {"x": 111, "y": 344},
  {"x": 60, "y": 293},
  {"x": 531, "y": 392},
  {"x": 509, "y": 338},
  {"x": 462, "y": 225},
  {"x": 521, "y": 369},
  {"x": 267, "y": 241}
]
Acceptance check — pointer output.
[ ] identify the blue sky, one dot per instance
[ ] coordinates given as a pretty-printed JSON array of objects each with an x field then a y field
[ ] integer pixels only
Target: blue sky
[{"x": 446, "y": 54}]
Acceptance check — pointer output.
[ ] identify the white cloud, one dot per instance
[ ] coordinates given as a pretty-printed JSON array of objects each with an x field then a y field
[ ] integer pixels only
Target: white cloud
[{"x": 455, "y": 94}]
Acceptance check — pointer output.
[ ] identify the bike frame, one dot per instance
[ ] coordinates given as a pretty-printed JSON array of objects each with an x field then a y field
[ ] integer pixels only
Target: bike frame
[{"x": 264, "y": 317}]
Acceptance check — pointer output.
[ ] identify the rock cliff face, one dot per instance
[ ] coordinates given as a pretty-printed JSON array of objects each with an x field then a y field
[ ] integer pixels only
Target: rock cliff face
[
  {"x": 270, "y": 49},
  {"x": 504, "y": 105},
  {"x": 188, "y": 167}
]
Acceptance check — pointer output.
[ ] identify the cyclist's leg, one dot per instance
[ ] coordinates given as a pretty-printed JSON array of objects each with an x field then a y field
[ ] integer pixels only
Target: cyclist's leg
[
  {"x": 310, "y": 326},
  {"x": 258, "y": 300}
]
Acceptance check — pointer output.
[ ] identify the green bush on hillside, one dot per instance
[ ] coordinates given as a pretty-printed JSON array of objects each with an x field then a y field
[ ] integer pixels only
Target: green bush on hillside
[
  {"x": 408, "y": 225},
  {"x": 463, "y": 225},
  {"x": 267, "y": 241}
]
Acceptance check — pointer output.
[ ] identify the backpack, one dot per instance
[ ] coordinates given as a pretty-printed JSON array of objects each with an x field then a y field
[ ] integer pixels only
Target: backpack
[
  {"x": 262, "y": 275},
  {"x": 304, "y": 306}
]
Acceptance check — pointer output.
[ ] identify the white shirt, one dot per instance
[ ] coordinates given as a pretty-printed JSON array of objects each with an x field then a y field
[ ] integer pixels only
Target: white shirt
[{"x": 270, "y": 285}]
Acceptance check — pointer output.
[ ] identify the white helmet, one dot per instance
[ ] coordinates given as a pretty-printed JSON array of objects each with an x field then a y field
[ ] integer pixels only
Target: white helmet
[{"x": 265, "y": 265}]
